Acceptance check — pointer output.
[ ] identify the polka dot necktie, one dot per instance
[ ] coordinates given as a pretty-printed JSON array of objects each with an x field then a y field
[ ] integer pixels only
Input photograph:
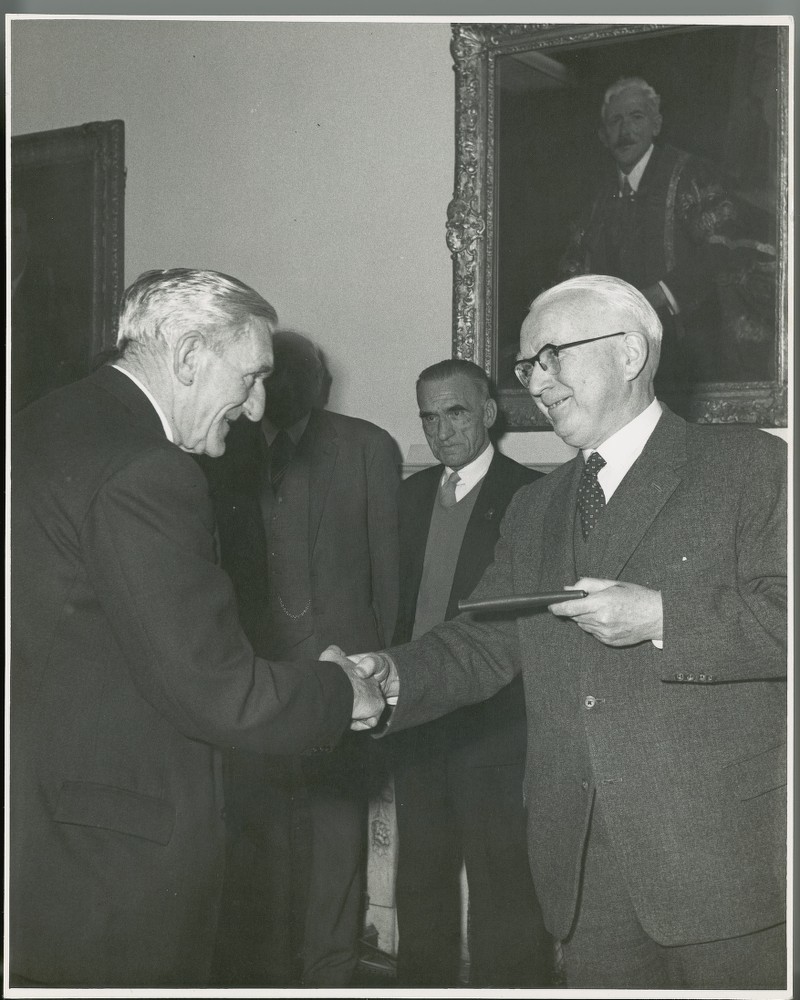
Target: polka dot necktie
[
  {"x": 591, "y": 500},
  {"x": 447, "y": 494}
]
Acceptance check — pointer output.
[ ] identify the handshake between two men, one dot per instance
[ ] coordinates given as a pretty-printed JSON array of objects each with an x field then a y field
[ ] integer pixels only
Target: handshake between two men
[
  {"x": 616, "y": 613},
  {"x": 375, "y": 683}
]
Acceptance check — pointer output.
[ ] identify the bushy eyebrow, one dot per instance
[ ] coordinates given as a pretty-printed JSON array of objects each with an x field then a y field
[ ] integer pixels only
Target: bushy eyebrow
[{"x": 450, "y": 409}]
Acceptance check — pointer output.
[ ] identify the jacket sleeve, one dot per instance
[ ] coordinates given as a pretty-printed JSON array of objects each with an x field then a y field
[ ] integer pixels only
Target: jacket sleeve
[
  {"x": 736, "y": 628},
  {"x": 149, "y": 550},
  {"x": 382, "y": 485}
]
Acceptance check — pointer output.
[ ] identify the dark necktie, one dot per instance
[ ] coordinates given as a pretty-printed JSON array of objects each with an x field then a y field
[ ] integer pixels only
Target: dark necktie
[
  {"x": 621, "y": 224},
  {"x": 447, "y": 493},
  {"x": 591, "y": 499},
  {"x": 280, "y": 455}
]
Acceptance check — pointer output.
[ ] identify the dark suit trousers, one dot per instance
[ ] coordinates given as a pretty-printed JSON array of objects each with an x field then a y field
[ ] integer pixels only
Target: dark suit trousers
[
  {"x": 609, "y": 949},
  {"x": 447, "y": 813},
  {"x": 294, "y": 885}
]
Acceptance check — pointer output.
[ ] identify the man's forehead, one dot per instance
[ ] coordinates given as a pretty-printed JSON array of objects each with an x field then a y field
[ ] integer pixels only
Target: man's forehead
[
  {"x": 569, "y": 317},
  {"x": 445, "y": 392},
  {"x": 629, "y": 96}
]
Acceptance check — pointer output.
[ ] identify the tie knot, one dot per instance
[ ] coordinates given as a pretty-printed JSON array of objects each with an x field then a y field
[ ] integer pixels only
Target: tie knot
[
  {"x": 595, "y": 462},
  {"x": 448, "y": 491}
]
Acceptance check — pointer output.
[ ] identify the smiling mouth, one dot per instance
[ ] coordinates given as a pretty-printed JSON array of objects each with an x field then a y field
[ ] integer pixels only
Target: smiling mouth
[{"x": 555, "y": 406}]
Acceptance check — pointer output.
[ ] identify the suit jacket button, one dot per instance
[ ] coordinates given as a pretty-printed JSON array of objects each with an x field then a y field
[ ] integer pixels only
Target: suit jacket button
[
  {"x": 585, "y": 785},
  {"x": 589, "y": 701},
  {"x": 679, "y": 677}
]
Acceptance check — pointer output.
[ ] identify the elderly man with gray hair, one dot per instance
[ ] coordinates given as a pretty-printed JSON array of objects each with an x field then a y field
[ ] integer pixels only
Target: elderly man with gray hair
[
  {"x": 130, "y": 671},
  {"x": 655, "y": 780}
]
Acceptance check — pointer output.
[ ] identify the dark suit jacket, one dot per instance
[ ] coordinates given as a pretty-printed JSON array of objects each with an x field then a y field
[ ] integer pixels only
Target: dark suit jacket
[
  {"x": 352, "y": 532},
  {"x": 494, "y": 731},
  {"x": 685, "y": 746},
  {"x": 129, "y": 670}
]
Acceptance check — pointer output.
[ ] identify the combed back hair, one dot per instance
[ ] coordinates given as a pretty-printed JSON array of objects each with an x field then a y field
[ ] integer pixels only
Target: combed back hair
[
  {"x": 632, "y": 83},
  {"x": 160, "y": 306},
  {"x": 620, "y": 295},
  {"x": 456, "y": 366}
]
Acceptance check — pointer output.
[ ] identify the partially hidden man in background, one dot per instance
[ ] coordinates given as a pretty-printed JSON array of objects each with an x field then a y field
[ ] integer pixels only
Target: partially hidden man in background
[
  {"x": 656, "y": 774},
  {"x": 306, "y": 503},
  {"x": 129, "y": 668},
  {"x": 662, "y": 219},
  {"x": 458, "y": 779}
]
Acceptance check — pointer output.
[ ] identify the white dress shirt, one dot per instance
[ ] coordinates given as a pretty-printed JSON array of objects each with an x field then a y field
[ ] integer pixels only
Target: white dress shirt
[
  {"x": 161, "y": 415},
  {"x": 470, "y": 475}
]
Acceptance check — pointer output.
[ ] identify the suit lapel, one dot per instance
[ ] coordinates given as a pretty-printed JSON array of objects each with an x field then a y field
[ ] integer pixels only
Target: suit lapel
[
  {"x": 637, "y": 501},
  {"x": 482, "y": 530},
  {"x": 553, "y": 565},
  {"x": 322, "y": 449}
]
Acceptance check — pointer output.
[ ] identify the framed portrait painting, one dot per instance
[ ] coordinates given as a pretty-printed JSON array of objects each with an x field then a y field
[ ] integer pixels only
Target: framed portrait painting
[{"x": 536, "y": 195}]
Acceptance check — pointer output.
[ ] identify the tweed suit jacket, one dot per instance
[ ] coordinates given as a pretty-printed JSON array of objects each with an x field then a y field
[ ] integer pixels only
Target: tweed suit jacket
[
  {"x": 683, "y": 747},
  {"x": 493, "y": 731},
  {"x": 129, "y": 671},
  {"x": 352, "y": 532}
]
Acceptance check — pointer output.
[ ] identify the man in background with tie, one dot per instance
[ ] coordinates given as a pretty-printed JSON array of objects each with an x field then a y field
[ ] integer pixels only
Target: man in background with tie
[
  {"x": 307, "y": 514},
  {"x": 662, "y": 220},
  {"x": 656, "y": 704},
  {"x": 458, "y": 780}
]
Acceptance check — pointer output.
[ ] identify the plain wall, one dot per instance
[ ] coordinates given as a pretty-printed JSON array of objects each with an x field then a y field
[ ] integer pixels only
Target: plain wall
[{"x": 312, "y": 160}]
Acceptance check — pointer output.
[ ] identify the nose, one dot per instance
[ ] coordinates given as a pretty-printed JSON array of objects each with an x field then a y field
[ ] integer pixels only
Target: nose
[
  {"x": 540, "y": 380},
  {"x": 253, "y": 406},
  {"x": 444, "y": 429}
]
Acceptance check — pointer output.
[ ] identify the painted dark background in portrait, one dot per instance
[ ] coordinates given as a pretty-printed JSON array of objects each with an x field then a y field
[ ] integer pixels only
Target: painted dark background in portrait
[
  {"x": 718, "y": 91},
  {"x": 67, "y": 190}
]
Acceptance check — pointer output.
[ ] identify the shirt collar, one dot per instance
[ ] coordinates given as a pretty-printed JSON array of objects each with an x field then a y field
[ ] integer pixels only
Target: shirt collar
[
  {"x": 472, "y": 474},
  {"x": 161, "y": 415},
  {"x": 295, "y": 432},
  {"x": 622, "y": 449},
  {"x": 635, "y": 176}
]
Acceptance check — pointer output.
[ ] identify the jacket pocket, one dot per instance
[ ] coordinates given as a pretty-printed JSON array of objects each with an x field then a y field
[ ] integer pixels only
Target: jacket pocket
[
  {"x": 760, "y": 773},
  {"x": 85, "y": 803}
]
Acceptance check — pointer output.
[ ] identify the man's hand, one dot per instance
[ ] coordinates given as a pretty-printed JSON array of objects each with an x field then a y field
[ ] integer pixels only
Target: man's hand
[
  {"x": 617, "y": 614},
  {"x": 368, "y": 700},
  {"x": 381, "y": 667}
]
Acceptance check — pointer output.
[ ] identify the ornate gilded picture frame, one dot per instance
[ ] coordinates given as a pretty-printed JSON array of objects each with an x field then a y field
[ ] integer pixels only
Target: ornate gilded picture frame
[{"x": 528, "y": 159}]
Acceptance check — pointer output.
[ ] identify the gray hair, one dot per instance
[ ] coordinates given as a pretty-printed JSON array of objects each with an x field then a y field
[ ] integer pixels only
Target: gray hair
[
  {"x": 160, "y": 306},
  {"x": 618, "y": 294},
  {"x": 632, "y": 83},
  {"x": 451, "y": 367}
]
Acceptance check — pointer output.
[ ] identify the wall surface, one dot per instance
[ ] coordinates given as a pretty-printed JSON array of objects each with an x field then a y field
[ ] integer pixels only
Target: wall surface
[{"x": 312, "y": 160}]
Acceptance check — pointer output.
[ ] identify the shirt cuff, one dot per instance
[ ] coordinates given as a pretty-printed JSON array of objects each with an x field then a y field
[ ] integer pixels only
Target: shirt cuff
[{"x": 658, "y": 643}]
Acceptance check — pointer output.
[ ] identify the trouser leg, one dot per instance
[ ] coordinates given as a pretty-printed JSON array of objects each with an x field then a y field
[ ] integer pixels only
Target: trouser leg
[
  {"x": 427, "y": 889},
  {"x": 508, "y": 943}
]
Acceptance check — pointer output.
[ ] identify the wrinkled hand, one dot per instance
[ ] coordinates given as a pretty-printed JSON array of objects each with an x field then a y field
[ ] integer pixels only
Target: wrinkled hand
[
  {"x": 368, "y": 699},
  {"x": 381, "y": 667},
  {"x": 617, "y": 614}
]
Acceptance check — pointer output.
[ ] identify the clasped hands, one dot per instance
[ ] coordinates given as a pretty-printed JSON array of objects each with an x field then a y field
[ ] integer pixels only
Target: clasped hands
[
  {"x": 614, "y": 612},
  {"x": 374, "y": 680}
]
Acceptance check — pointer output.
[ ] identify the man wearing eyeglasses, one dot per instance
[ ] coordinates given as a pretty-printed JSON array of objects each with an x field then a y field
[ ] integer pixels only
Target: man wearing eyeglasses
[{"x": 656, "y": 704}]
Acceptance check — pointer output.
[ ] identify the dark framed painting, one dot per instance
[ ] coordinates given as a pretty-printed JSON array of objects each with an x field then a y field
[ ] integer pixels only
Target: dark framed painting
[
  {"x": 532, "y": 168},
  {"x": 67, "y": 215}
]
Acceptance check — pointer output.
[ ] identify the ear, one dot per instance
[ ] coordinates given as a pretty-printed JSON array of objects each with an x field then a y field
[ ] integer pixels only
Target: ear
[
  {"x": 636, "y": 352},
  {"x": 657, "y": 121},
  {"x": 187, "y": 356},
  {"x": 489, "y": 413}
]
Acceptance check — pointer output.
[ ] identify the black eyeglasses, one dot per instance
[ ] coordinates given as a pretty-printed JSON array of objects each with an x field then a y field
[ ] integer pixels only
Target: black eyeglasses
[{"x": 547, "y": 357}]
